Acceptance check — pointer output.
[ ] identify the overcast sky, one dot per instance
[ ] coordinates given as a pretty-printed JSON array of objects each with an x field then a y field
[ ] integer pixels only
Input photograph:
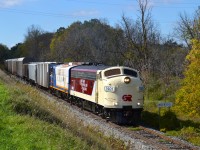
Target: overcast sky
[{"x": 17, "y": 15}]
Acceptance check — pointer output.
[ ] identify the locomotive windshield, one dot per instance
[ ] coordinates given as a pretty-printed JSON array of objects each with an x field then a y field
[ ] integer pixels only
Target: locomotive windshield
[
  {"x": 130, "y": 73},
  {"x": 112, "y": 72}
]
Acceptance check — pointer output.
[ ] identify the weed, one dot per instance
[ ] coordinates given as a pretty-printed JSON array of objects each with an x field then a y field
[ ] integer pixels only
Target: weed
[{"x": 135, "y": 128}]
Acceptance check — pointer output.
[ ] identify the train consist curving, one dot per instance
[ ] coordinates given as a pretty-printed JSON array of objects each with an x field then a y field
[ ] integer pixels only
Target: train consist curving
[{"x": 114, "y": 92}]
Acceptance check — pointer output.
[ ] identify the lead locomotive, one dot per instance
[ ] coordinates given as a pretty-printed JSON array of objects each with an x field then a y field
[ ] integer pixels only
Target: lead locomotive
[{"x": 115, "y": 93}]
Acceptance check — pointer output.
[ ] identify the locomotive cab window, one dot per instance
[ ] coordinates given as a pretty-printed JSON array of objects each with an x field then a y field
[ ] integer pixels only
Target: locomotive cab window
[
  {"x": 112, "y": 72},
  {"x": 130, "y": 73}
]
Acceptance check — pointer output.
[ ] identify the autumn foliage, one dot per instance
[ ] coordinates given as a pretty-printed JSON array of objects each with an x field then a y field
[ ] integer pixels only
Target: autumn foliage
[{"x": 188, "y": 96}]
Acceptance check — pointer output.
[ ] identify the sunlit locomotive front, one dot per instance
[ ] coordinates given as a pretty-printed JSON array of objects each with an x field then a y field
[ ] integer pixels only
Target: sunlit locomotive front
[
  {"x": 121, "y": 94},
  {"x": 116, "y": 93}
]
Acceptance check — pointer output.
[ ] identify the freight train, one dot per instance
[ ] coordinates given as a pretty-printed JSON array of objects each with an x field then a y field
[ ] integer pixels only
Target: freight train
[{"x": 114, "y": 92}]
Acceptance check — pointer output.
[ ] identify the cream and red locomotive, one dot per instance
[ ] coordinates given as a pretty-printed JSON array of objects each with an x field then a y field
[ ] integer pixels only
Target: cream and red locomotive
[{"x": 115, "y": 93}]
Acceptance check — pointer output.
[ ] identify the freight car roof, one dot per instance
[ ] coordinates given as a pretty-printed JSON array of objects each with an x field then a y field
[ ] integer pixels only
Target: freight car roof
[
  {"x": 24, "y": 59},
  {"x": 89, "y": 68}
]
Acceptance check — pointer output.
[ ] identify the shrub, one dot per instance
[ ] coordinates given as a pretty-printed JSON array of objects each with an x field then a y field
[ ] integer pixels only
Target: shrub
[{"x": 191, "y": 134}]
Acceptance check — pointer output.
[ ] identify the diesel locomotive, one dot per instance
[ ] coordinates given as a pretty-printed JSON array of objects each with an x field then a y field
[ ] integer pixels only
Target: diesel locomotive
[{"x": 114, "y": 92}]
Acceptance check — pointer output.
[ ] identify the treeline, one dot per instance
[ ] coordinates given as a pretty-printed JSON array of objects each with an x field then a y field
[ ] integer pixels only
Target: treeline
[{"x": 135, "y": 43}]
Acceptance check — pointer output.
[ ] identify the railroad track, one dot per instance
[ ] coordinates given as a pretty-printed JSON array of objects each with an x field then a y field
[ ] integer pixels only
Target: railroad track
[
  {"x": 153, "y": 139},
  {"x": 160, "y": 141},
  {"x": 142, "y": 138}
]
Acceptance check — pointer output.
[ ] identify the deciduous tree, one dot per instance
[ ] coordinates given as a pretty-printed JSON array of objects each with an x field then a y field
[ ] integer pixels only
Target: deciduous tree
[
  {"x": 187, "y": 97},
  {"x": 142, "y": 36},
  {"x": 90, "y": 41},
  {"x": 3, "y": 52}
]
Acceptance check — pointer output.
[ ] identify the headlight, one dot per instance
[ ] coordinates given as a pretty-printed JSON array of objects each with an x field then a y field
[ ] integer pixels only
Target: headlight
[
  {"x": 127, "y": 80},
  {"x": 116, "y": 103}
]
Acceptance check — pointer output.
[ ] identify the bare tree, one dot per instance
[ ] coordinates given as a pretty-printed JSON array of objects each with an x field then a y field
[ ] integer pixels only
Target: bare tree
[
  {"x": 32, "y": 41},
  {"x": 142, "y": 35},
  {"x": 188, "y": 27},
  {"x": 145, "y": 19}
]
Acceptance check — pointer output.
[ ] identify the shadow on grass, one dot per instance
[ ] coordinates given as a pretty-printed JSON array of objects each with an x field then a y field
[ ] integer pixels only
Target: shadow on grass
[{"x": 168, "y": 121}]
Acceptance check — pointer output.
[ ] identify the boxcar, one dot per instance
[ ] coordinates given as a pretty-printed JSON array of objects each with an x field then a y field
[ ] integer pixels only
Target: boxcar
[
  {"x": 19, "y": 65},
  {"x": 42, "y": 74},
  {"x": 25, "y": 72},
  {"x": 32, "y": 72},
  {"x": 9, "y": 62},
  {"x": 14, "y": 66}
]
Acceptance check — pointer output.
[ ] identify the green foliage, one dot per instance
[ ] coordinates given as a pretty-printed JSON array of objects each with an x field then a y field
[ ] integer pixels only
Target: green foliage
[
  {"x": 90, "y": 41},
  {"x": 187, "y": 97},
  {"x": 19, "y": 50},
  {"x": 154, "y": 90},
  {"x": 3, "y": 53},
  {"x": 190, "y": 134},
  {"x": 36, "y": 45},
  {"x": 134, "y": 128},
  {"x": 157, "y": 90}
]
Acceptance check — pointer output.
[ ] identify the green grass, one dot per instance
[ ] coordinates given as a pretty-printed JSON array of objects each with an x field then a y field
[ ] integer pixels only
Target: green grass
[
  {"x": 25, "y": 132},
  {"x": 22, "y": 132},
  {"x": 134, "y": 128}
]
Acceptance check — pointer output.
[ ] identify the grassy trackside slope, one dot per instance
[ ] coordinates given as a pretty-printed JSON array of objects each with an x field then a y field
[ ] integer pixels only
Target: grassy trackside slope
[
  {"x": 32, "y": 120},
  {"x": 25, "y": 132}
]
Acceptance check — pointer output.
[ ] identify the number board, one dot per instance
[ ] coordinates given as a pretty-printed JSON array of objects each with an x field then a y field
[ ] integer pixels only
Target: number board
[{"x": 109, "y": 88}]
